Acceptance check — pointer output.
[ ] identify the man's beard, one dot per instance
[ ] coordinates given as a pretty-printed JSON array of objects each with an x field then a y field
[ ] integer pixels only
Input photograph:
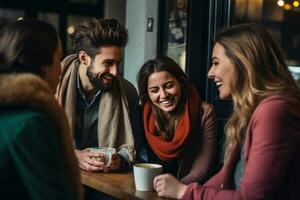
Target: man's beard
[{"x": 95, "y": 79}]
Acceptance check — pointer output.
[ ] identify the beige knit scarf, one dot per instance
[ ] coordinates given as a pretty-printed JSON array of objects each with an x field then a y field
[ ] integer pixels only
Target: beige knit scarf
[
  {"x": 114, "y": 128},
  {"x": 30, "y": 90}
]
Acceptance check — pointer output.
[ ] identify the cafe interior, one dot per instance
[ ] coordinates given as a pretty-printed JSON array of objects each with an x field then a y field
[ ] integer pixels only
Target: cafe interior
[{"x": 152, "y": 28}]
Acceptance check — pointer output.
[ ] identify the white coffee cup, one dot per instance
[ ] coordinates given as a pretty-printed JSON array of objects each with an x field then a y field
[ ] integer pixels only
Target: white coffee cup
[
  {"x": 144, "y": 174},
  {"x": 106, "y": 151}
]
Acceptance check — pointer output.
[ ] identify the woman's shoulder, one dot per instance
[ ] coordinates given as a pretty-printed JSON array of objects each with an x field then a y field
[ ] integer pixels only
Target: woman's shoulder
[
  {"x": 278, "y": 103},
  {"x": 207, "y": 107},
  {"x": 277, "y": 107},
  {"x": 207, "y": 110}
]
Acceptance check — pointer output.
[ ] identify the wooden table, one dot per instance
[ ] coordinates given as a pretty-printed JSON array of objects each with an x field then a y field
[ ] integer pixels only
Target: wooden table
[{"x": 117, "y": 184}]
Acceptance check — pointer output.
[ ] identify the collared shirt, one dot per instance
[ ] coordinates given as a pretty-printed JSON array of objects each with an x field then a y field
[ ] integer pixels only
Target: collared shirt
[{"x": 86, "y": 126}]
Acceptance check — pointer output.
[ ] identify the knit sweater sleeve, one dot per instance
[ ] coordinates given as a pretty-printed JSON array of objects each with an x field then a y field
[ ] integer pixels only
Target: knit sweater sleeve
[
  {"x": 270, "y": 152},
  {"x": 204, "y": 160},
  {"x": 136, "y": 124}
]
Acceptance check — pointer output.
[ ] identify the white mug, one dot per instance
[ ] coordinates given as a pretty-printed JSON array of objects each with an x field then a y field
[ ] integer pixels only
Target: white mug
[
  {"x": 144, "y": 174},
  {"x": 106, "y": 151}
]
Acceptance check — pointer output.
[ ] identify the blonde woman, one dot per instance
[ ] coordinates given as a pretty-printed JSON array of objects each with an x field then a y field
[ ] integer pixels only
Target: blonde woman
[{"x": 263, "y": 134}]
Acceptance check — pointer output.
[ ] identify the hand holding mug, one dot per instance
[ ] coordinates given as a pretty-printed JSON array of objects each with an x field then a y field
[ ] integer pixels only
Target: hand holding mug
[
  {"x": 144, "y": 174},
  {"x": 87, "y": 161},
  {"x": 167, "y": 185},
  {"x": 106, "y": 158},
  {"x": 115, "y": 162}
]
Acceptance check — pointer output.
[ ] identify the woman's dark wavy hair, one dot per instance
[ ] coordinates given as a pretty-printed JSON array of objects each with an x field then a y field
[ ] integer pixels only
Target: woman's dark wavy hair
[
  {"x": 27, "y": 46},
  {"x": 164, "y": 126},
  {"x": 95, "y": 33}
]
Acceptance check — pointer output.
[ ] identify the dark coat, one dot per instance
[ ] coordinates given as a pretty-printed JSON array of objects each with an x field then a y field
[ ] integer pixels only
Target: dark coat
[{"x": 37, "y": 159}]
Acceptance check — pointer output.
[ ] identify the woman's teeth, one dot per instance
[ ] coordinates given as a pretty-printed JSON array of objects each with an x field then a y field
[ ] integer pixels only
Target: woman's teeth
[
  {"x": 167, "y": 102},
  {"x": 219, "y": 84}
]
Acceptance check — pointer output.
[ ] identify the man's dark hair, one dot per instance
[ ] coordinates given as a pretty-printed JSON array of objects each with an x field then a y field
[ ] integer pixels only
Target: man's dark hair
[{"x": 95, "y": 33}]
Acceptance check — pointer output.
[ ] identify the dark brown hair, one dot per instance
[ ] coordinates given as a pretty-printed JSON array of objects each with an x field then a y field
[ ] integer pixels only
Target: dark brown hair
[
  {"x": 27, "y": 46},
  {"x": 93, "y": 34},
  {"x": 164, "y": 126}
]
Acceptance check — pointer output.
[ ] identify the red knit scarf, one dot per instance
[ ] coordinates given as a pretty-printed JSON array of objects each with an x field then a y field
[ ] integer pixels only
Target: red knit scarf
[{"x": 171, "y": 149}]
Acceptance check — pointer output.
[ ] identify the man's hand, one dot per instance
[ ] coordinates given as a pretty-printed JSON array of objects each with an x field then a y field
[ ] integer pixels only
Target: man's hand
[
  {"x": 90, "y": 161},
  {"x": 115, "y": 162},
  {"x": 167, "y": 185}
]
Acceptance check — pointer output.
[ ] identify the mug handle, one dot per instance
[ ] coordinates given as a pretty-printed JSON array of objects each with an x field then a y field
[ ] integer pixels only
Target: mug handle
[{"x": 109, "y": 159}]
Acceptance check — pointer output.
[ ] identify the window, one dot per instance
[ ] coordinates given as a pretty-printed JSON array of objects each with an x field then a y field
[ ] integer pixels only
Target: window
[
  {"x": 282, "y": 19},
  {"x": 72, "y": 21},
  {"x": 90, "y": 2},
  {"x": 9, "y": 15},
  {"x": 177, "y": 27},
  {"x": 61, "y": 16},
  {"x": 51, "y": 18}
]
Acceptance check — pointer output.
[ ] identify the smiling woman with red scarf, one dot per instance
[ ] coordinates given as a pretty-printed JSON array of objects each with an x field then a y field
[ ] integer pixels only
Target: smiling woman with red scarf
[{"x": 180, "y": 128}]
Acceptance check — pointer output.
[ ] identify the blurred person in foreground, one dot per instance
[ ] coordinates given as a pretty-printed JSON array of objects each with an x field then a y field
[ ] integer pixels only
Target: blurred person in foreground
[{"x": 37, "y": 159}]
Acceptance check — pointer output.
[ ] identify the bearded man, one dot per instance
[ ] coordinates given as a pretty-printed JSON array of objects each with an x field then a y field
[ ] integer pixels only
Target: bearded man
[{"x": 101, "y": 106}]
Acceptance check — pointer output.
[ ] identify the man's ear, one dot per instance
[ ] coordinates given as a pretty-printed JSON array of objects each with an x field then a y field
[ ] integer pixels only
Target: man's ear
[{"x": 84, "y": 58}]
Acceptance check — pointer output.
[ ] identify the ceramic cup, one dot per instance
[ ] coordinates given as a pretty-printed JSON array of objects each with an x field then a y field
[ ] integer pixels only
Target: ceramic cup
[
  {"x": 144, "y": 174},
  {"x": 106, "y": 151}
]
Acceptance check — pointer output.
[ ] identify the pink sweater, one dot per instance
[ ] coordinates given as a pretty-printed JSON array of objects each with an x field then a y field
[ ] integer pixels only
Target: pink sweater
[{"x": 272, "y": 157}]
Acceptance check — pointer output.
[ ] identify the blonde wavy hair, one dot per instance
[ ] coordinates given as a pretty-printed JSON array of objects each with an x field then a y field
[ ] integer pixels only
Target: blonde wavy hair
[{"x": 260, "y": 71}]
